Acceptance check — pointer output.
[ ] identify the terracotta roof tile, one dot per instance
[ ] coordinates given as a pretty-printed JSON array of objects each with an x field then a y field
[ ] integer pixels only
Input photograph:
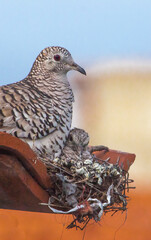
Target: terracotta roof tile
[
  {"x": 123, "y": 159},
  {"x": 23, "y": 178}
]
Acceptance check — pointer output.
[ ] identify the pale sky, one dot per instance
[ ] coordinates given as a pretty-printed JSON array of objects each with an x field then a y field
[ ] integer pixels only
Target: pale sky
[{"x": 90, "y": 30}]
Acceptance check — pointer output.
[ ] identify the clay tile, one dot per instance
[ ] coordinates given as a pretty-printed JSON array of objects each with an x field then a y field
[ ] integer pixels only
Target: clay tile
[
  {"x": 23, "y": 178},
  {"x": 123, "y": 159}
]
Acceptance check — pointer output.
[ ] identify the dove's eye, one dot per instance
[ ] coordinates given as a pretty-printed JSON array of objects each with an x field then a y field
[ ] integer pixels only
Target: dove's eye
[{"x": 57, "y": 57}]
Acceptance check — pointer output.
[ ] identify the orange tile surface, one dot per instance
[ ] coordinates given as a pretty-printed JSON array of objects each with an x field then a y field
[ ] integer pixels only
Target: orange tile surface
[{"x": 38, "y": 226}]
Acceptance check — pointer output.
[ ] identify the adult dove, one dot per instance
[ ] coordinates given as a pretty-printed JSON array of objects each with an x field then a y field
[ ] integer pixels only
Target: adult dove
[{"x": 38, "y": 109}]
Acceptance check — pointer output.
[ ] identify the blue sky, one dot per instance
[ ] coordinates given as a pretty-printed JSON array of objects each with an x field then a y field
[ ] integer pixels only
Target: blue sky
[{"x": 90, "y": 30}]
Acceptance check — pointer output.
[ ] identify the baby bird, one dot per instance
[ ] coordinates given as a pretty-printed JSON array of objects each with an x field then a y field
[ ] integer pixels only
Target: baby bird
[{"x": 76, "y": 149}]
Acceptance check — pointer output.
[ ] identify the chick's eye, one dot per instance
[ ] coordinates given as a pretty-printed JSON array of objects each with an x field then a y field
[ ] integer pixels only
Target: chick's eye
[
  {"x": 70, "y": 138},
  {"x": 57, "y": 57}
]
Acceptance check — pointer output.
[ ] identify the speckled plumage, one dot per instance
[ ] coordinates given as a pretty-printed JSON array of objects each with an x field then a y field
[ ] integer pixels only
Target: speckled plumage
[
  {"x": 76, "y": 150},
  {"x": 76, "y": 147},
  {"x": 38, "y": 109}
]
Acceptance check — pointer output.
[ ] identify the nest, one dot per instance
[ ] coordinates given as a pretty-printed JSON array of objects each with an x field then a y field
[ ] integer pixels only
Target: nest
[{"x": 87, "y": 190}]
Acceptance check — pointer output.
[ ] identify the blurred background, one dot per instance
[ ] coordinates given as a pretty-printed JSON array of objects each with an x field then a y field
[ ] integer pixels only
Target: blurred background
[{"x": 112, "y": 41}]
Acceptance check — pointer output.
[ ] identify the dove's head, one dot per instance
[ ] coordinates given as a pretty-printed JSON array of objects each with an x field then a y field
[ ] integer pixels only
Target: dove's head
[{"x": 56, "y": 60}]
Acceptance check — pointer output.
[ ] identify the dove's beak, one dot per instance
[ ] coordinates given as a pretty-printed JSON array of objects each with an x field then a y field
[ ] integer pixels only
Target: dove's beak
[{"x": 78, "y": 68}]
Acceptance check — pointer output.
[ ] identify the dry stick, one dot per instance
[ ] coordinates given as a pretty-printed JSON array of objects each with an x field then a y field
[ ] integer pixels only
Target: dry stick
[{"x": 98, "y": 148}]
